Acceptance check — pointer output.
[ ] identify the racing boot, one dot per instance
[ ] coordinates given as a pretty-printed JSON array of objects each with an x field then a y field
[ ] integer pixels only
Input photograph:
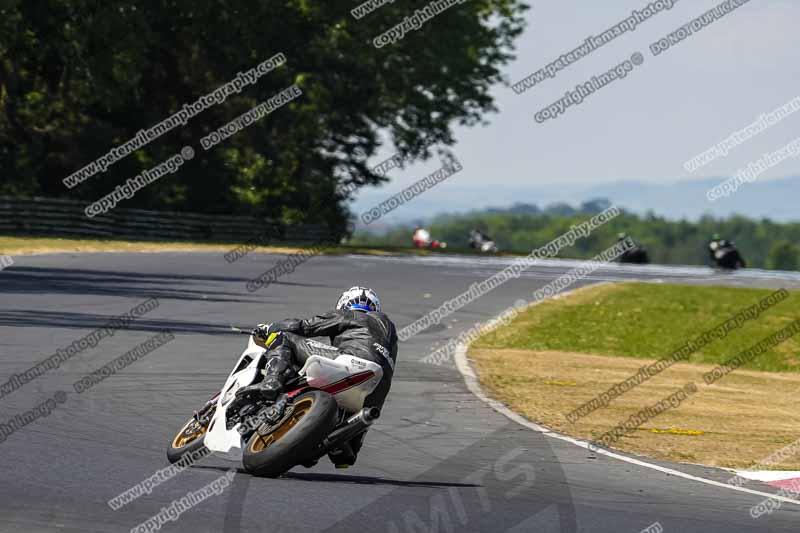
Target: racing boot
[
  {"x": 343, "y": 457},
  {"x": 346, "y": 455},
  {"x": 278, "y": 370}
]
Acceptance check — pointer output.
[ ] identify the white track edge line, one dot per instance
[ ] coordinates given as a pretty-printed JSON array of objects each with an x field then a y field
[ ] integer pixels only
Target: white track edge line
[
  {"x": 471, "y": 380},
  {"x": 767, "y": 476}
]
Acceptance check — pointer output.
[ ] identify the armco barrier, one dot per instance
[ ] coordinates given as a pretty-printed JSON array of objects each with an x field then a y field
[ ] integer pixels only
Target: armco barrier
[{"x": 66, "y": 218}]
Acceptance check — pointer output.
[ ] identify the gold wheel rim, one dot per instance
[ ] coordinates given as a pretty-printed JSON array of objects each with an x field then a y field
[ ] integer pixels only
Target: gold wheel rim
[
  {"x": 182, "y": 439},
  {"x": 260, "y": 443}
]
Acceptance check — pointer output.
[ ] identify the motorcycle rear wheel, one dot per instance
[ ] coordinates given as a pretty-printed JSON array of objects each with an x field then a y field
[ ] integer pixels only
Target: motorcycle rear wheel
[{"x": 296, "y": 439}]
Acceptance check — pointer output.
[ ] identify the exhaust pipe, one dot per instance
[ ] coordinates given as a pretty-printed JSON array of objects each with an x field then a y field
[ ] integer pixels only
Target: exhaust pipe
[{"x": 354, "y": 426}]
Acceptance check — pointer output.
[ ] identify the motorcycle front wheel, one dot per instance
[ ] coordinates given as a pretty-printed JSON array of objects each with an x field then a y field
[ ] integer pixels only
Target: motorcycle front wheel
[
  {"x": 295, "y": 439},
  {"x": 190, "y": 438}
]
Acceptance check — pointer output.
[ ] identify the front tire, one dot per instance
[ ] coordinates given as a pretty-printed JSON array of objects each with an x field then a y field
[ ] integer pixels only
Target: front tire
[
  {"x": 190, "y": 439},
  {"x": 295, "y": 440}
]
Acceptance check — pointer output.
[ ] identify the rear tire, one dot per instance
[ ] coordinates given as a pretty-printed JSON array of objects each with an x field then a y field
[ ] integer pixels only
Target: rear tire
[{"x": 295, "y": 441}]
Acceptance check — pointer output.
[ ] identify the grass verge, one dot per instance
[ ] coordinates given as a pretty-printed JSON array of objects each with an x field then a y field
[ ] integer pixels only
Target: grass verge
[
  {"x": 557, "y": 355},
  {"x": 23, "y": 245}
]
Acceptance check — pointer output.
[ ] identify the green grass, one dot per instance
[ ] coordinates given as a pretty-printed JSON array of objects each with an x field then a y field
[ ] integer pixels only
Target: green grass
[{"x": 643, "y": 320}]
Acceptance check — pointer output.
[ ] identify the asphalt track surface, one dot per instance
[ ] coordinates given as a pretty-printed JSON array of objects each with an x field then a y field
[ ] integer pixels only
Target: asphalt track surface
[{"x": 438, "y": 459}]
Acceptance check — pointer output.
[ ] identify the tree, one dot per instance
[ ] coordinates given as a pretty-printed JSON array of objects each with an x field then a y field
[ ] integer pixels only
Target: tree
[
  {"x": 667, "y": 242},
  {"x": 79, "y": 77},
  {"x": 560, "y": 209},
  {"x": 595, "y": 205},
  {"x": 784, "y": 256}
]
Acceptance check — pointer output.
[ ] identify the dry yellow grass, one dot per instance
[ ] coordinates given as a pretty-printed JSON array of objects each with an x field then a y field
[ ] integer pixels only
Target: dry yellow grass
[
  {"x": 39, "y": 245},
  {"x": 36, "y": 245},
  {"x": 735, "y": 423}
]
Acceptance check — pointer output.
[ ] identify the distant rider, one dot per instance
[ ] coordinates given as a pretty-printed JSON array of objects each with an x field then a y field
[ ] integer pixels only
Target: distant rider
[
  {"x": 723, "y": 253},
  {"x": 421, "y": 237},
  {"x": 717, "y": 243},
  {"x": 637, "y": 254},
  {"x": 477, "y": 238}
]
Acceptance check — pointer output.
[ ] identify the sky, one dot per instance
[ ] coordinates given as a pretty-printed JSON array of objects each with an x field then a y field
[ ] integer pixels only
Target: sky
[{"x": 641, "y": 128}]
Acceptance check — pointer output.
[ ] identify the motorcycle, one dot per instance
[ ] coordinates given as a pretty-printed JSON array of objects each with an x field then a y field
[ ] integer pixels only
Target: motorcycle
[
  {"x": 422, "y": 239},
  {"x": 728, "y": 257},
  {"x": 482, "y": 243},
  {"x": 488, "y": 247},
  {"x": 321, "y": 412},
  {"x": 637, "y": 255}
]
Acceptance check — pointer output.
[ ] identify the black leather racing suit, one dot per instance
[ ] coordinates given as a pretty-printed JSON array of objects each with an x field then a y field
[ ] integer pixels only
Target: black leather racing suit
[
  {"x": 729, "y": 256},
  {"x": 368, "y": 335},
  {"x": 713, "y": 246}
]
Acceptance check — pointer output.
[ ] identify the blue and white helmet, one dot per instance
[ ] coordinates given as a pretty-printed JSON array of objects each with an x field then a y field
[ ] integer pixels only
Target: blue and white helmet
[{"x": 359, "y": 298}]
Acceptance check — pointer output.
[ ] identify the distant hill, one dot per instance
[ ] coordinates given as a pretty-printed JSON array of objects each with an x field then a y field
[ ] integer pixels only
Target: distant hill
[{"x": 774, "y": 199}]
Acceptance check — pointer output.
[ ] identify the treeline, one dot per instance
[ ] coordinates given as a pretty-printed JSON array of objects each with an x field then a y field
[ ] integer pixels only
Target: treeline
[
  {"x": 80, "y": 77},
  {"x": 764, "y": 244}
]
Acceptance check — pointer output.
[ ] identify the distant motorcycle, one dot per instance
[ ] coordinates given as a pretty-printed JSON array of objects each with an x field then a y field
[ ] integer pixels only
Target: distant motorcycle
[
  {"x": 724, "y": 254},
  {"x": 422, "y": 239},
  {"x": 321, "y": 412},
  {"x": 482, "y": 242},
  {"x": 636, "y": 255}
]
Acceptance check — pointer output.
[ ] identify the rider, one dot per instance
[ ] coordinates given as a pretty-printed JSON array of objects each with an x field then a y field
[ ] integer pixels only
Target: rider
[
  {"x": 637, "y": 254},
  {"x": 477, "y": 238},
  {"x": 724, "y": 254},
  {"x": 421, "y": 237},
  {"x": 356, "y": 327},
  {"x": 715, "y": 244}
]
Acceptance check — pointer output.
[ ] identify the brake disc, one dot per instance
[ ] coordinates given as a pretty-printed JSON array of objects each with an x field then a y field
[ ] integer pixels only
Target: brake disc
[{"x": 268, "y": 427}]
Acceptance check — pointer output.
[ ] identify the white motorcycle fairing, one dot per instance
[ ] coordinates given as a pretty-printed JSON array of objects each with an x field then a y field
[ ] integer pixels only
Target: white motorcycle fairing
[
  {"x": 348, "y": 378},
  {"x": 488, "y": 247}
]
